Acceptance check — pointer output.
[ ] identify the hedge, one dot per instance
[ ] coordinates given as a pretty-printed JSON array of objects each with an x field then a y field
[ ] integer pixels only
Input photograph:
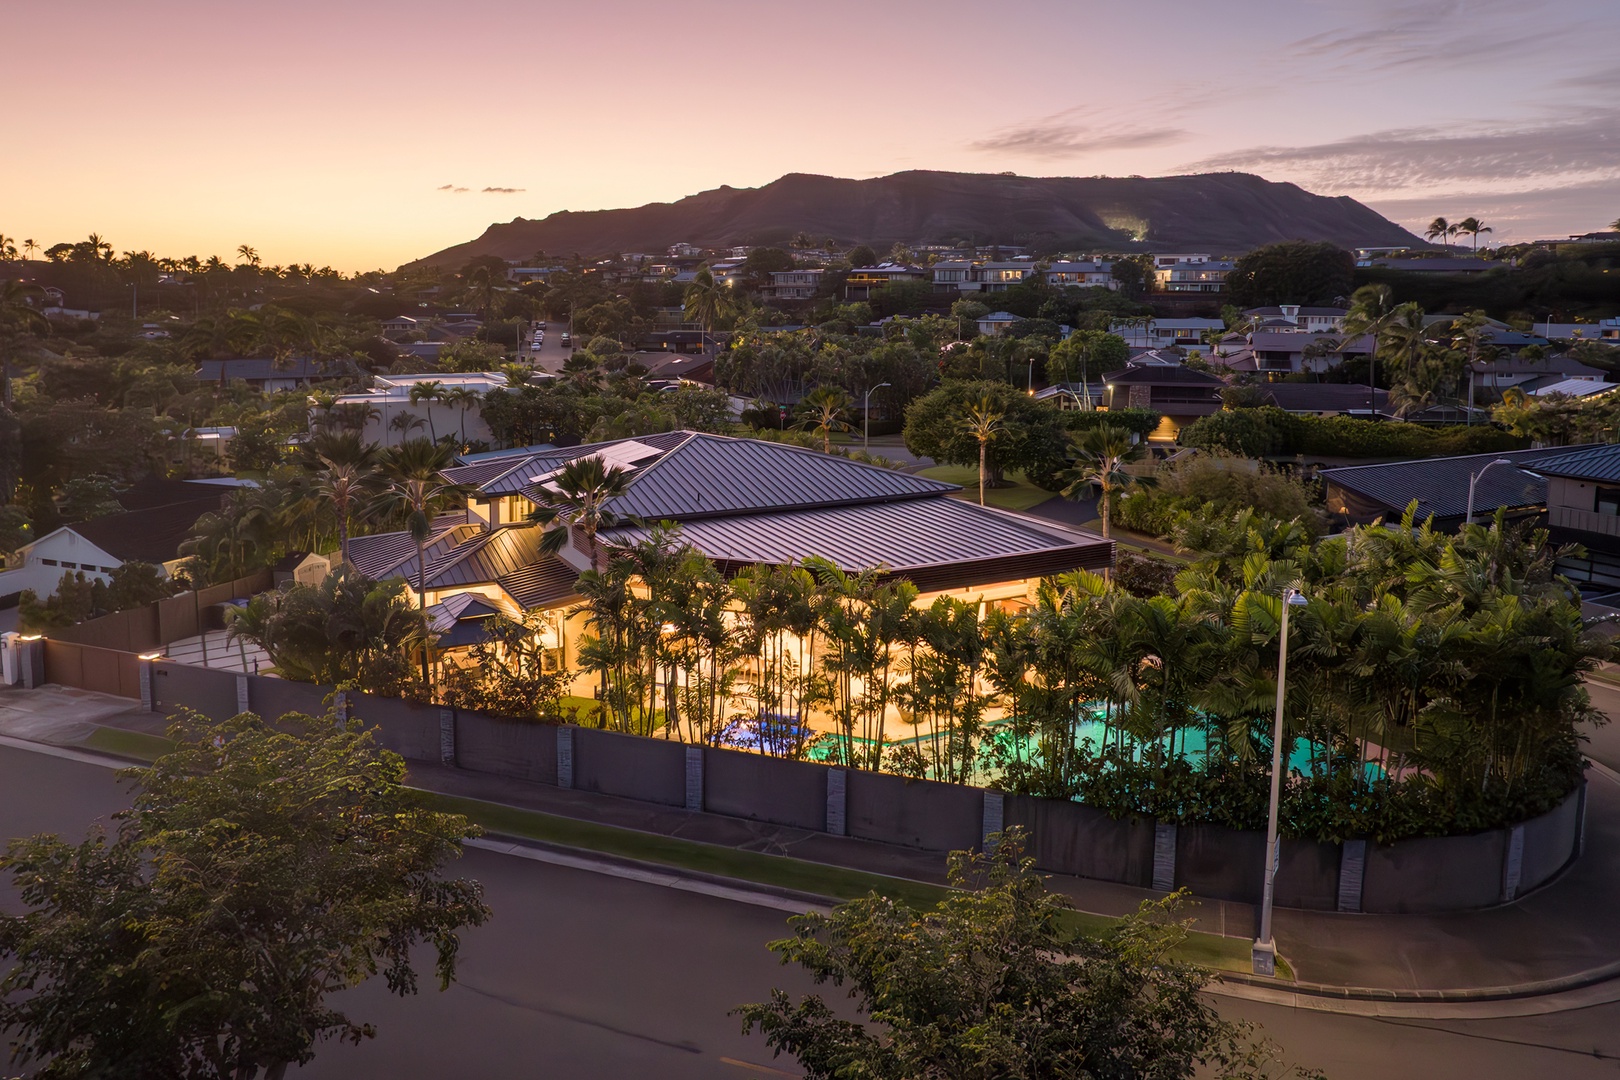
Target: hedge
[{"x": 1270, "y": 432}]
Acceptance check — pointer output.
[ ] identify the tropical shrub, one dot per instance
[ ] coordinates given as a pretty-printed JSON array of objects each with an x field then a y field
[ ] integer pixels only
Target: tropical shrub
[{"x": 1271, "y": 432}]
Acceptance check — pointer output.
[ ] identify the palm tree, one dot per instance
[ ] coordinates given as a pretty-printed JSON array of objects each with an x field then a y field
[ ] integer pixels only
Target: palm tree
[
  {"x": 578, "y": 496},
  {"x": 1101, "y": 456},
  {"x": 462, "y": 398},
  {"x": 248, "y": 255},
  {"x": 517, "y": 376},
  {"x": 983, "y": 421},
  {"x": 1473, "y": 227},
  {"x": 706, "y": 302},
  {"x": 430, "y": 391},
  {"x": 8, "y": 247},
  {"x": 484, "y": 286},
  {"x": 1615, "y": 225},
  {"x": 99, "y": 248},
  {"x": 343, "y": 484},
  {"x": 29, "y": 247},
  {"x": 1439, "y": 227},
  {"x": 405, "y": 423},
  {"x": 1372, "y": 311},
  {"x": 823, "y": 412}
]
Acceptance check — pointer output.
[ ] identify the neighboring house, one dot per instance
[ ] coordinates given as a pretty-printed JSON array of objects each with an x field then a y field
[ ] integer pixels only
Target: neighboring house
[
  {"x": 1091, "y": 274},
  {"x": 1194, "y": 277},
  {"x": 1583, "y": 507},
  {"x": 268, "y": 376},
  {"x": 215, "y": 441},
  {"x": 401, "y": 324},
  {"x": 158, "y": 517},
  {"x": 1304, "y": 318},
  {"x": 1532, "y": 375},
  {"x": 1328, "y": 399},
  {"x": 1440, "y": 486},
  {"x": 1179, "y": 394},
  {"x": 1001, "y": 276},
  {"x": 1579, "y": 388},
  {"x": 1286, "y": 352},
  {"x": 863, "y": 281},
  {"x": 954, "y": 275},
  {"x": 1604, "y": 330},
  {"x": 793, "y": 284},
  {"x": 742, "y": 502},
  {"x": 1435, "y": 267},
  {"x": 390, "y": 398},
  {"x": 686, "y": 367},
  {"x": 1158, "y": 333},
  {"x": 997, "y": 323}
]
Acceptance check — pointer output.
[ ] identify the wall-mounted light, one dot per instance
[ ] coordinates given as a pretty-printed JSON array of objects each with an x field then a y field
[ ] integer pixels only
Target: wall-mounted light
[
  {"x": 31, "y": 637},
  {"x": 150, "y": 656}
]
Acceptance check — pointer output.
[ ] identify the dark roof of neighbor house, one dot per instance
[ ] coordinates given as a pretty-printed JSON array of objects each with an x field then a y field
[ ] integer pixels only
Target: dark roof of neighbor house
[
  {"x": 150, "y": 492},
  {"x": 1325, "y": 397},
  {"x": 1157, "y": 373},
  {"x": 301, "y": 367},
  {"x": 1275, "y": 311},
  {"x": 379, "y": 554},
  {"x": 1440, "y": 485},
  {"x": 1551, "y": 365},
  {"x": 936, "y": 543},
  {"x": 153, "y": 535},
  {"x": 1600, "y": 463}
]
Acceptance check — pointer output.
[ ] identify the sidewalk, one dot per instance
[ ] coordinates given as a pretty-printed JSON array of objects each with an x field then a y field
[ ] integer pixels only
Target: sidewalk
[{"x": 1555, "y": 938}]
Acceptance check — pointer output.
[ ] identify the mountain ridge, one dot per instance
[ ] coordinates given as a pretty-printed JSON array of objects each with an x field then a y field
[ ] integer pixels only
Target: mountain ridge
[{"x": 1224, "y": 213}]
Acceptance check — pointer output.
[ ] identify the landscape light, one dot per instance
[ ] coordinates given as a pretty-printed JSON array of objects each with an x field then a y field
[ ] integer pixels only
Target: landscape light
[{"x": 150, "y": 656}]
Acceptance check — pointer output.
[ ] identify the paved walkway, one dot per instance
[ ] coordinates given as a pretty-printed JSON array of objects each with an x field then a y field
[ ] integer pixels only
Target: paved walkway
[{"x": 1562, "y": 931}]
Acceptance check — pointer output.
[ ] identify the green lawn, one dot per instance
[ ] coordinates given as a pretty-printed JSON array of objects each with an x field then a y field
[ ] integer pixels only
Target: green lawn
[
  {"x": 1021, "y": 495},
  {"x": 817, "y": 879}
]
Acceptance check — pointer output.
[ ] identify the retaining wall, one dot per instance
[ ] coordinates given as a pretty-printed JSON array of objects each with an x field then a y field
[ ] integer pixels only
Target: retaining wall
[{"x": 1422, "y": 875}]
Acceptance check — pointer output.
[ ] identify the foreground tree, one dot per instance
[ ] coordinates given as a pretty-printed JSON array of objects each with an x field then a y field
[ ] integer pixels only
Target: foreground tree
[
  {"x": 993, "y": 983},
  {"x": 1102, "y": 454},
  {"x": 260, "y": 870},
  {"x": 822, "y": 411}
]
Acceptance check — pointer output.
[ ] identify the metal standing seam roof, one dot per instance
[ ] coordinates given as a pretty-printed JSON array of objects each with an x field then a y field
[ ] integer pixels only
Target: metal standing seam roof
[
  {"x": 513, "y": 474},
  {"x": 1600, "y": 463},
  {"x": 1440, "y": 485},
  {"x": 548, "y": 583},
  {"x": 902, "y": 536},
  {"x": 713, "y": 475},
  {"x": 378, "y": 554},
  {"x": 487, "y": 557}
]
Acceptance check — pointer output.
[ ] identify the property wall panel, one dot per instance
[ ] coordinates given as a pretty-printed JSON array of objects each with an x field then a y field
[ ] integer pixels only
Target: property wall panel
[
  {"x": 1451, "y": 873},
  {"x": 653, "y": 770},
  {"x": 208, "y": 691},
  {"x": 1222, "y": 864},
  {"x": 1068, "y": 838},
  {"x": 521, "y": 749},
  {"x": 765, "y": 789},
  {"x": 409, "y": 729},
  {"x": 914, "y": 813},
  {"x": 1307, "y": 875},
  {"x": 272, "y": 698},
  {"x": 1549, "y": 842}
]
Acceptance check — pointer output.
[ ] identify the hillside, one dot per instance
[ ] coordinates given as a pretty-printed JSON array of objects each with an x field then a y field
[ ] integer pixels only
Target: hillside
[{"x": 1223, "y": 213}]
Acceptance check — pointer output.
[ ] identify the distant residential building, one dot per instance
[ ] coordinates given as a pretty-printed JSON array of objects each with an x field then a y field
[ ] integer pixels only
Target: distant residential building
[
  {"x": 1159, "y": 333},
  {"x": 1603, "y": 330},
  {"x": 271, "y": 376},
  {"x": 793, "y": 284},
  {"x": 1208, "y": 276},
  {"x": 863, "y": 281},
  {"x": 1092, "y": 274},
  {"x": 997, "y": 323},
  {"x": 1179, "y": 394},
  {"x": 684, "y": 251},
  {"x": 1532, "y": 375},
  {"x": 1434, "y": 266},
  {"x": 390, "y": 399},
  {"x": 533, "y": 273},
  {"x": 1299, "y": 317}
]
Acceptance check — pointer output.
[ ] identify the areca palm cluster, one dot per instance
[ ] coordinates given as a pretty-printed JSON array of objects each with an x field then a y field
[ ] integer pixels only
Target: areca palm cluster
[{"x": 1434, "y": 681}]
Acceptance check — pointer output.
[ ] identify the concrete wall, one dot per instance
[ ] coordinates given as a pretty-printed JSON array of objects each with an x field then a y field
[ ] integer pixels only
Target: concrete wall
[
  {"x": 914, "y": 813},
  {"x": 1449, "y": 873},
  {"x": 521, "y": 749},
  {"x": 652, "y": 770},
  {"x": 765, "y": 789},
  {"x": 181, "y": 686},
  {"x": 1069, "y": 838},
  {"x": 1549, "y": 843},
  {"x": 1425, "y": 875}
]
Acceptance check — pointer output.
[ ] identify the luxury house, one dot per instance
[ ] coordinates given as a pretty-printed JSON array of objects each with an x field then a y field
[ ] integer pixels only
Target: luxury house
[{"x": 742, "y": 502}]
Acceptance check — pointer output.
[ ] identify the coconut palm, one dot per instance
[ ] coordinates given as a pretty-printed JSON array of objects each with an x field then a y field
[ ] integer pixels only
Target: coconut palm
[
  {"x": 344, "y": 485},
  {"x": 1372, "y": 311},
  {"x": 706, "y": 302},
  {"x": 1441, "y": 228},
  {"x": 517, "y": 376},
  {"x": 1102, "y": 454},
  {"x": 99, "y": 249},
  {"x": 822, "y": 411},
  {"x": 248, "y": 255},
  {"x": 484, "y": 287},
  {"x": 578, "y": 497},
  {"x": 431, "y": 391},
  {"x": 8, "y": 247},
  {"x": 417, "y": 498},
  {"x": 405, "y": 423},
  {"x": 1473, "y": 227},
  {"x": 29, "y": 248},
  {"x": 984, "y": 422},
  {"x": 462, "y": 398}
]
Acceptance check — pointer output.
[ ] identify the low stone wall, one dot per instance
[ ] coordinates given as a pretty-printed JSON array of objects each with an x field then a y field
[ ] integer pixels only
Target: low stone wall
[{"x": 1423, "y": 875}]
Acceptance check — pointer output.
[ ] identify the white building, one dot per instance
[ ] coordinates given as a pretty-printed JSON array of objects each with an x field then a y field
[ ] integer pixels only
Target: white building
[
  {"x": 452, "y": 407},
  {"x": 794, "y": 284},
  {"x": 1162, "y": 333},
  {"x": 1089, "y": 274}
]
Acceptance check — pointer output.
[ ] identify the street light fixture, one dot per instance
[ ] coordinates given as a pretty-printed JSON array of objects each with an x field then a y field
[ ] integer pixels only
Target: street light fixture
[
  {"x": 1264, "y": 955},
  {"x": 866, "y": 416},
  {"x": 1468, "y": 518}
]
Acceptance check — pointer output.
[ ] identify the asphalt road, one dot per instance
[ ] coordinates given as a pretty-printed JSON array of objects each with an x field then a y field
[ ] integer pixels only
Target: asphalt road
[
  {"x": 1603, "y": 741},
  {"x": 582, "y": 976}
]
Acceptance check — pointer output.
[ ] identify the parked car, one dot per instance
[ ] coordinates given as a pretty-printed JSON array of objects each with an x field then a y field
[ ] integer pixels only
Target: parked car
[{"x": 567, "y": 340}]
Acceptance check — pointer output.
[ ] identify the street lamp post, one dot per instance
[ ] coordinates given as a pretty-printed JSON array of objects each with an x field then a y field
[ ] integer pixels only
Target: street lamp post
[
  {"x": 1264, "y": 954},
  {"x": 1468, "y": 518},
  {"x": 866, "y": 416}
]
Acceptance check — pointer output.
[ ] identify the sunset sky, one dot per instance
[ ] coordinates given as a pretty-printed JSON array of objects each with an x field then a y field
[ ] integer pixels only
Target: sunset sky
[{"x": 364, "y": 133}]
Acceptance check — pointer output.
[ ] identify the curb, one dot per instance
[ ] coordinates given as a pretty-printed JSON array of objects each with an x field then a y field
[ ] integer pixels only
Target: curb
[{"x": 1512, "y": 992}]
